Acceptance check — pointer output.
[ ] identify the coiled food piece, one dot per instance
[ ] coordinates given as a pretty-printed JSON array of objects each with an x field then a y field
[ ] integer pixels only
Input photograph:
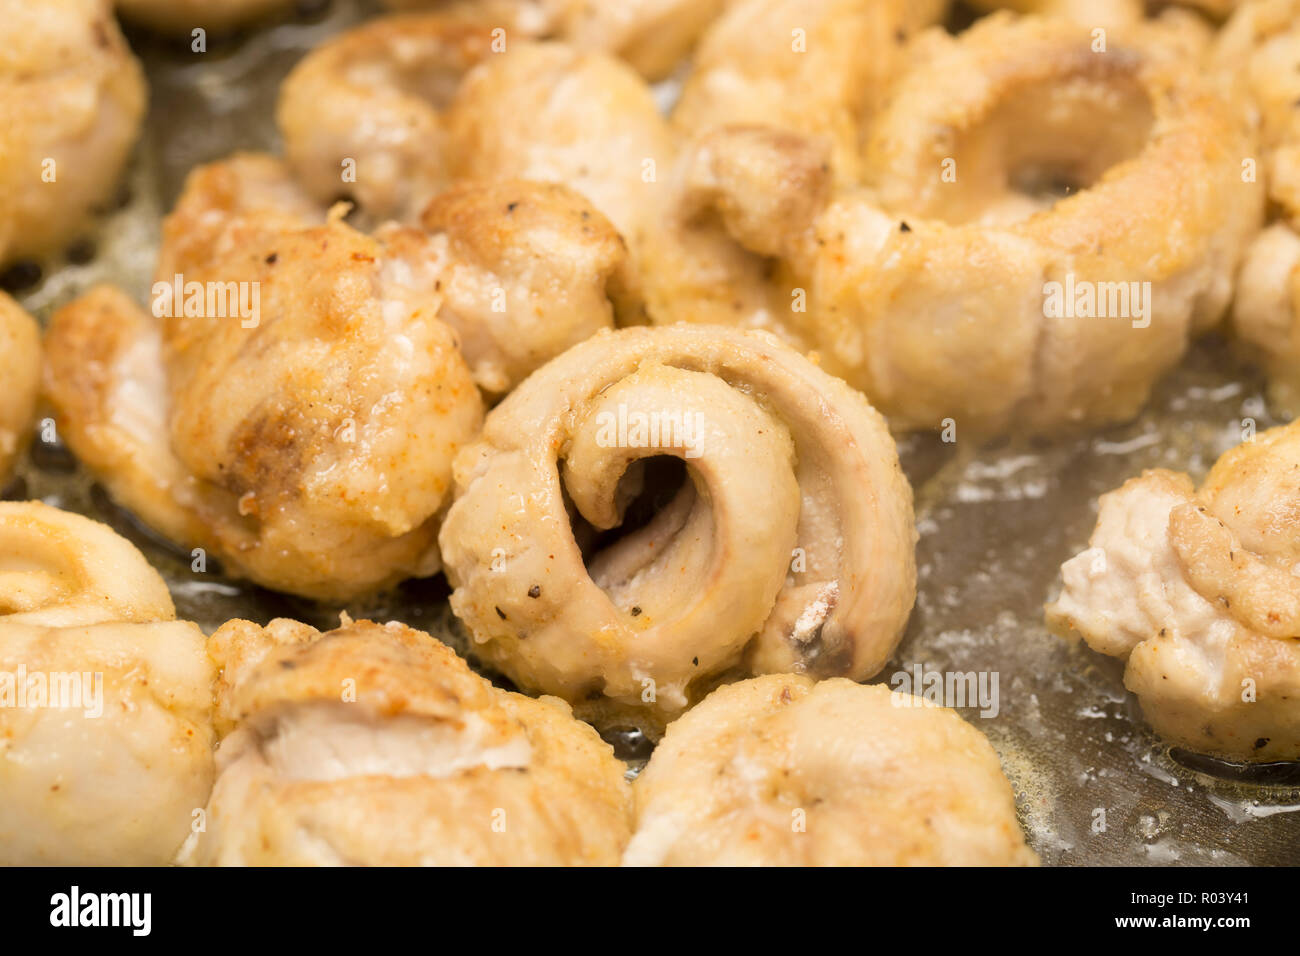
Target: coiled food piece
[
  {"x": 376, "y": 745},
  {"x": 73, "y": 97},
  {"x": 816, "y": 67},
  {"x": 779, "y": 770},
  {"x": 310, "y": 446},
  {"x": 316, "y": 461},
  {"x": 982, "y": 296},
  {"x": 788, "y": 546},
  {"x": 1259, "y": 51},
  {"x": 105, "y": 699},
  {"x": 361, "y": 115},
  {"x": 520, "y": 270},
  {"x": 20, "y": 364},
  {"x": 428, "y": 99},
  {"x": 766, "y": 182},
  {"x": 1197, "y": 589},
  {"x": 228, "y": 205}
]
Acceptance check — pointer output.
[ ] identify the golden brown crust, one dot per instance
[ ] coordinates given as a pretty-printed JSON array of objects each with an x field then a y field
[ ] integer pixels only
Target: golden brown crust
[
  {"x": 228, "y": 205},
  {"x": 341, "y": 734},
  {"x": 395, "y": 670},
  {"x": 305, "y": 426},
  {"x": 531, "y": 207},
  {"x": 321, "y": 440},
  {"x": 778, "y": 770}
]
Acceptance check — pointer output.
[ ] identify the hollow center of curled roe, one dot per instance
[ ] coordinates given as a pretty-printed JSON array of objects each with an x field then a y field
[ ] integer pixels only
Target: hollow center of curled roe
[{"x": 1027, "y": 139}]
